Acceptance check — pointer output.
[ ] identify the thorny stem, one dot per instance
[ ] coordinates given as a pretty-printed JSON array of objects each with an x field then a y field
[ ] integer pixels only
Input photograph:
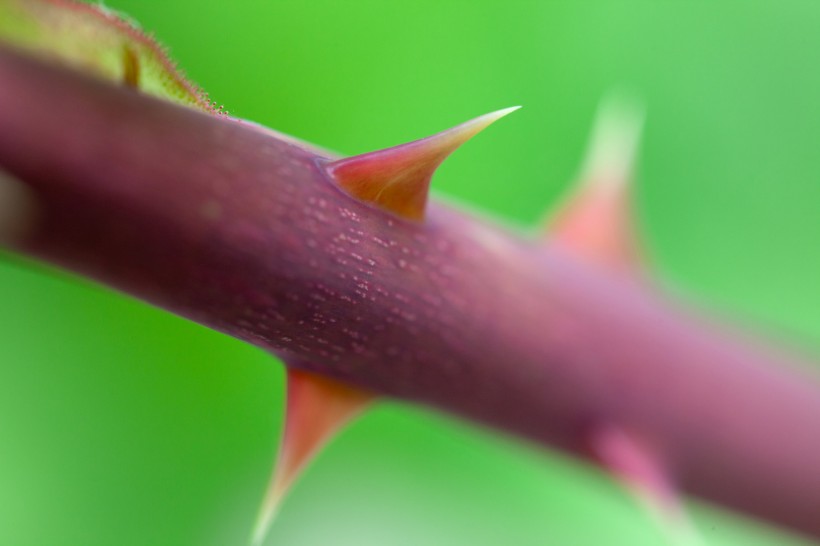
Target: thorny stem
[{"x": 245, "y": 233}]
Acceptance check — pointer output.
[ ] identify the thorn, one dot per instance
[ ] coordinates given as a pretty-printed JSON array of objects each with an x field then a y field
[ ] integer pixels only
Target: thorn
[
  {"x": 595, "y": 221},
  {"x": 398, "y": 179},
  {"x": 317, "y": 407},
  {"x": 641, "y": 471}
]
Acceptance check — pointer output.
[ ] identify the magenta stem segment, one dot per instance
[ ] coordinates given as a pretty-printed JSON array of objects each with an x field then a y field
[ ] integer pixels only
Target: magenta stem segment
[{"x": 238, "y": 230}]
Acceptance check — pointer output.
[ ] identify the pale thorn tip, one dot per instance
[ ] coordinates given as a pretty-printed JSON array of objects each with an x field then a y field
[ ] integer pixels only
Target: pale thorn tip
[
  {"x": 488, "y": 119},
  {"x": 449, "y": 140},
  {"x": 614, "y": 141},
  {"x": 469, "y": 129}
]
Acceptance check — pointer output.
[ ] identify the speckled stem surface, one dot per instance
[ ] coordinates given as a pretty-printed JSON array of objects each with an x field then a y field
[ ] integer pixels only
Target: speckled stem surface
[{"x": 245, "y": 233}]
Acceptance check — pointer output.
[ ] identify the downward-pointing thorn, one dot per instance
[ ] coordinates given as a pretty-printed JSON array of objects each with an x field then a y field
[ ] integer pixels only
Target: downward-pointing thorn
[
  {"x": 642, "y": 471},
  {"x": 398, "y": 179},
  {"x": 317, "y": 407}
]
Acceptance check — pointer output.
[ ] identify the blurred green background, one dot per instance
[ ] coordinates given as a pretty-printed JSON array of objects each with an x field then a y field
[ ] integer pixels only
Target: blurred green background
[{"x": 123, "y": 425}]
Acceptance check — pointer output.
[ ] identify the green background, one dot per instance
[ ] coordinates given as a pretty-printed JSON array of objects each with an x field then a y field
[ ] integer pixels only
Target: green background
[{"x": 123, "y": 425}]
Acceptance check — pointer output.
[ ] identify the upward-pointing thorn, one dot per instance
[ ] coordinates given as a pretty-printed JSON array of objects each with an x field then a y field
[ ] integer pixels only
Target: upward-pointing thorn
[
  {"x": 398, "y": 179},
  {"x": 595, "y": 220}
]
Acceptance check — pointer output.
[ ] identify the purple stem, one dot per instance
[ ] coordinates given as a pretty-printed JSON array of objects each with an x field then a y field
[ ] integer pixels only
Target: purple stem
[{"x": 245, "y": 233}]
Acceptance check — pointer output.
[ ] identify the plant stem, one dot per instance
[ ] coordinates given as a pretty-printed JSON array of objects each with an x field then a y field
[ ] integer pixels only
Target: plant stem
[{"x": 238, "y": 230}]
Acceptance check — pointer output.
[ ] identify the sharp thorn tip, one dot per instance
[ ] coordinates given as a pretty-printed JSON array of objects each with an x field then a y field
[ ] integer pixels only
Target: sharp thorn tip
[
  {"x": 398, "y": 179},
  {"x": 316, "y": 409}
]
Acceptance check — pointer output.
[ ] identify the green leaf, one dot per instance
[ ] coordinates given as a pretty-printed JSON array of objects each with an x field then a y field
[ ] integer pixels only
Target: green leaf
[{"x": 99, "y": 41}]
